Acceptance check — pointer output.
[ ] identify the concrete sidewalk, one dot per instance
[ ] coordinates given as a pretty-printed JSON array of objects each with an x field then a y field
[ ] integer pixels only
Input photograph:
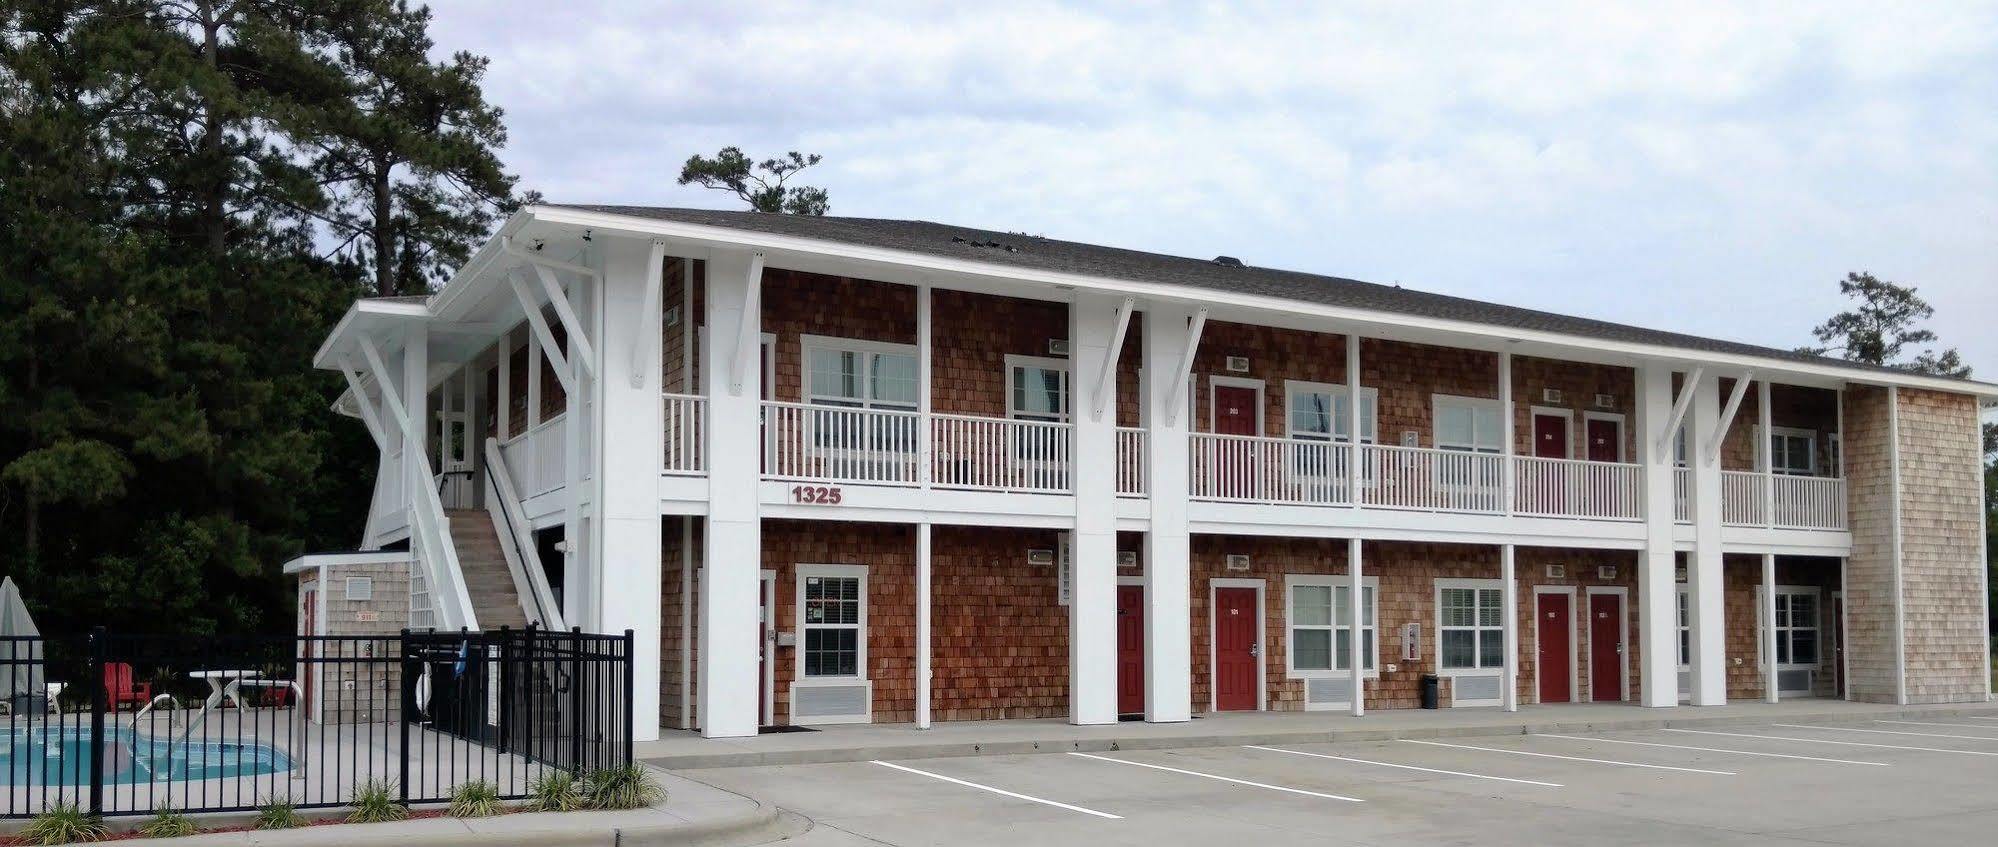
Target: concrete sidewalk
[
  {"x": 680, "y": 749},
  {"x": 694, "y": 813}
]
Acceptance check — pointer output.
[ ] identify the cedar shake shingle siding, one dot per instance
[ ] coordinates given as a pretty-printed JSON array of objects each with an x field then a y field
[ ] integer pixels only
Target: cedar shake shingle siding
[{"x": 1942, "y": 556}]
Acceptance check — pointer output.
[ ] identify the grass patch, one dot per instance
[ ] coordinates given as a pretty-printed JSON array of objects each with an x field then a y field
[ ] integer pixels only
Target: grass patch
[
  {"x": 556, "y": 791},
  {"x": 475, "y": 799},
  {"x": 167, "y": 823},
  {"x": 375, "y": 802},
  {"x": 624, "y": 787},
  {"x": 63, "y": 824},
  {"x": 279, "y": 813}
]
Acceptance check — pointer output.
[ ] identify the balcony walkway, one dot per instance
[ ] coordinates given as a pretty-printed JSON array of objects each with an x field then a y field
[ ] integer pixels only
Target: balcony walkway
[{"x": 681, "y": 749}]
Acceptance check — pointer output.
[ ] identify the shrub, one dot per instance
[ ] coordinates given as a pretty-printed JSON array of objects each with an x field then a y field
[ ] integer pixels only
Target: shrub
[
  {"x": 279, "y": 813},
  {"x": 556, "y": 791},
  {"x": 63, "y": 824},
  {"x": 475, "y": 799},
  {"x": 375, "y": 803},
  {"x": 624, "y": 787},
  {"x": 167, "y": 823}
]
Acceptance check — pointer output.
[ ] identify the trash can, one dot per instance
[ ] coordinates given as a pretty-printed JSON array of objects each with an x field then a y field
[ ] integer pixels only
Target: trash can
[{"x": 1430, "y": 691}]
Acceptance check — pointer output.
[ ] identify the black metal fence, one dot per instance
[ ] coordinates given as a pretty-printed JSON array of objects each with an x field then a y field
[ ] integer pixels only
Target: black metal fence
[{"x": 122, "y": 724}]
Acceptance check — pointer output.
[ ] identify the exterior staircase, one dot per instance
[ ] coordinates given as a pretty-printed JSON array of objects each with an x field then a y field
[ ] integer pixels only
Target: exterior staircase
[{"x": 488, "y": 580}]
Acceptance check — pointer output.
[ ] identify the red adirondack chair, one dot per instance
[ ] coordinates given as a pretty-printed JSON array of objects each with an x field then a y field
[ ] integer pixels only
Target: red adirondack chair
[{"x": 119, "y": 688}]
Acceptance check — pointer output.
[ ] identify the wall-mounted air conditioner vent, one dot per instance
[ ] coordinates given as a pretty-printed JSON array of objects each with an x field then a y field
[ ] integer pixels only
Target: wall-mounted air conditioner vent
[
  {"x": 1127, "y": 558},
  {"x": 1606, "y": 572},
  {"x": 1557, "y": 571},
  {"x": 1238, "y": 364},
  {"x": 1550, "y": 395},
  {"x": 1238, "y": 562},
  {"x": 1057, "y": 346},
  {"x": 1040, "y": 557},
  {"x": 1605, "y": 401}
]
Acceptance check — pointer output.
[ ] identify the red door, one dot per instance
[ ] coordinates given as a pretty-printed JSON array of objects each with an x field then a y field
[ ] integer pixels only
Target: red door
[
  {"x": 1130, "y": 649},
  {"x": 1556, "y": 665},
  {"x": 1605, "y": 440},
  {"x": 1550, "y": 436},
  {"x": 1606, "y": 647},
  {"x": 1237, "y": 625},
  {"x": 1235, "y": 414}
]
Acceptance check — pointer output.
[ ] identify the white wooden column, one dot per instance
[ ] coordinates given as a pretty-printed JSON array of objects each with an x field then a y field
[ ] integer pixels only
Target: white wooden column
[
  {"x": 1657, "y": 564},
  {"x": 923, "y": 613},
  {"x": 1092, "y": 599},
  {"x": 1704, "y": 579},
  {"x": 1354, "y": 461},
  {"x": 1510, "y": 471},
  {"x": 1765, "y": 457},
  {"x": 1769, "y": 627},
  {"x": 732, "y": 557},
  {"x": 1355, "y": 654},
  {"x": 1509, "y": 675},
  {"x": 1168, "y": 610},
  {"x": 926, "y": 428},
  {"x": 628, "y": 454}
]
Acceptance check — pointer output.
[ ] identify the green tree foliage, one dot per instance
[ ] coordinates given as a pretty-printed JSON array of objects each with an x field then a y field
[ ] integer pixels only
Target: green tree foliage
[
  {"x": 1882, "y": 326},
  {"x": 760, "y": 184},
  {"x": 164, "y": 442}
]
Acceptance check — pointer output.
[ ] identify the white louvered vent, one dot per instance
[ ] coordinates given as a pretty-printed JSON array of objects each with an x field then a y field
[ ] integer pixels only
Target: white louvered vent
[
  {"x": 1238, "y": 562},
  {"x": 1238, "y": 364}
]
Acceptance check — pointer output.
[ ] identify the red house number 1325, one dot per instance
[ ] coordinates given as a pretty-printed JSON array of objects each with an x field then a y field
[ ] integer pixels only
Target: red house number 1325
[{"x": 817, "y": 495}]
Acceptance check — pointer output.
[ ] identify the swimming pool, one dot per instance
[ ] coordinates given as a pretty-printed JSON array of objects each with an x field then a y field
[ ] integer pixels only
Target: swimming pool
[{"x": 61, "y": 756}]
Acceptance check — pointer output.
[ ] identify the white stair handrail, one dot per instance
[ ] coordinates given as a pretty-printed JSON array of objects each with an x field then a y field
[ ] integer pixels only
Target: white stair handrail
[
  {"x": 430, "y": 539},
  {"x": 537, "y": 599}
]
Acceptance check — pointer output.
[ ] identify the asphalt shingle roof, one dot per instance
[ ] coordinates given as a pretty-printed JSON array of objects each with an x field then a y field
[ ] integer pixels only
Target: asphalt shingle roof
[{"x": 1047, "y": 254}]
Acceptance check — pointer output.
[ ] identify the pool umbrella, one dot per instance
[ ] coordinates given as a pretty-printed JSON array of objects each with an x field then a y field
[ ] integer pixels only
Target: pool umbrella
[{"x": 20, "y": 657}]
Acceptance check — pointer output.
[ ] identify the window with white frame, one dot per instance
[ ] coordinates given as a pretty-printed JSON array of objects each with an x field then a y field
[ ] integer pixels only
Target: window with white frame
[
  {"x": 854, "y": 374},
  {"x": 1793, "y": 451},
  {"x": 1321, "y": 412},
  {"x": 1469, "y": 621},
  {"x": 1037, "y": 388},
  {"x": 832, "y": 619},
  {"x": 1470, "y": 424},
  {"x": 1685, "y": 627},
  {"x": 1321, "y": 624},
  {"x": 1796, "y": 626}
]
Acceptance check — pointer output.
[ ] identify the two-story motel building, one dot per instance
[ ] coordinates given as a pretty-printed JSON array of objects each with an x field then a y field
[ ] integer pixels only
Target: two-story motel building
[{"x": 842, "y": 470}]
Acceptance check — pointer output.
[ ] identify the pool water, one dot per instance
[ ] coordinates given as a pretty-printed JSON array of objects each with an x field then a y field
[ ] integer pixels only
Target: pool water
[{"x": 61, "y": 756}]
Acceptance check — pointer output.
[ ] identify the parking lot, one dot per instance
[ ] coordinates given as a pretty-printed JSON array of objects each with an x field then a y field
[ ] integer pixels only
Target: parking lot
[{"x": 1904, "y": 782}]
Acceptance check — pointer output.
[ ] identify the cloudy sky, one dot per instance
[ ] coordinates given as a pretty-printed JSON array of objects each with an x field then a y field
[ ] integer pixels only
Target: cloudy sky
[{"x": 1709, "y": 169}]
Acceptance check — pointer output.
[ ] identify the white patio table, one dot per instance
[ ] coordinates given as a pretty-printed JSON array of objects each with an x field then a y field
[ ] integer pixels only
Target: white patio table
[{"x": 223, "y": 684}]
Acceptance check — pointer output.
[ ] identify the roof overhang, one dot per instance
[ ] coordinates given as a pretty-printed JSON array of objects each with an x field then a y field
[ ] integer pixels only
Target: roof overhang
[
  {"x": 700, "y": 240},
  {"x": 310, "y": 561}
]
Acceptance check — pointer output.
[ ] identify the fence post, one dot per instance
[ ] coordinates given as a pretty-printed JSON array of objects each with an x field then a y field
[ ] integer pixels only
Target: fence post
[
  {"x": 576, "y": 699},
  {"x": 405, "y": 701},
  {"x": 97, "y": 740},
  {"x": 630, "y": 726},
  {"x": 502, "y": 678}
]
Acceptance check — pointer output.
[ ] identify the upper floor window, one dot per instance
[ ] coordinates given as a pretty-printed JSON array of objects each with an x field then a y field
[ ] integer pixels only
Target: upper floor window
[
  {"x": 1320, "y": 412},
  {"x": 864, "y": 374},
  {"x": 1471, "y": 424},
  {"x": 1793, "y": 451},
  {"x": 1037, "y": 388}
]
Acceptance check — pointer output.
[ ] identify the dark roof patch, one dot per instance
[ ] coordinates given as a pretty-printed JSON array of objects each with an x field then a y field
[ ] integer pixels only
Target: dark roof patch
[{"x": 1047, "y": 254}]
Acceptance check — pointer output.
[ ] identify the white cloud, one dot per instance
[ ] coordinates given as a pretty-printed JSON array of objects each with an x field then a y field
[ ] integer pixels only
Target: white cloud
[{"x": 1633, "y": 162}]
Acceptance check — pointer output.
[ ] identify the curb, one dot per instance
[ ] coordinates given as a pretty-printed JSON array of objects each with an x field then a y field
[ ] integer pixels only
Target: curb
[{"x": 701, "y": 761}]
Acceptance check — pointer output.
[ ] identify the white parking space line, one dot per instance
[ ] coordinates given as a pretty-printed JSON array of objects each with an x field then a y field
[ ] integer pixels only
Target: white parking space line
[
  {"x": 1401, "y": 766},
  {"x": 1830, "y": 741},
  {"x": 1981, "y": 717},
  {"x": 1569, "y": 758},
  {"x": 1933, "y": 723},
  {"x": 1713, "y": 750},
  {"x": 1220, "y": 778},
  {"x": 1000, "y": 791},
  {"x": 1886, "y": 732}
]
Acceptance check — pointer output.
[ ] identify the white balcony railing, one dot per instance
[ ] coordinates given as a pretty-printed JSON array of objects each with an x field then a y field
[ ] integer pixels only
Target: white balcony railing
[
  {"x": 1256, "y": 469},
  {"x": 1131, "y": 462},
  {"x": 1776, "y": 501},
  {"x": 686, "y": 431},
  {"x": 1577, "y": 489},
  {"x": 1001, "y": 454},
  {"x": 1744, "y": 498},
  {"x": 839, "y": 444},
  {"x": 1809, "y": 502},
  {"x": 537, "y": 459},
  {"x": 1433, "y": 480}
]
